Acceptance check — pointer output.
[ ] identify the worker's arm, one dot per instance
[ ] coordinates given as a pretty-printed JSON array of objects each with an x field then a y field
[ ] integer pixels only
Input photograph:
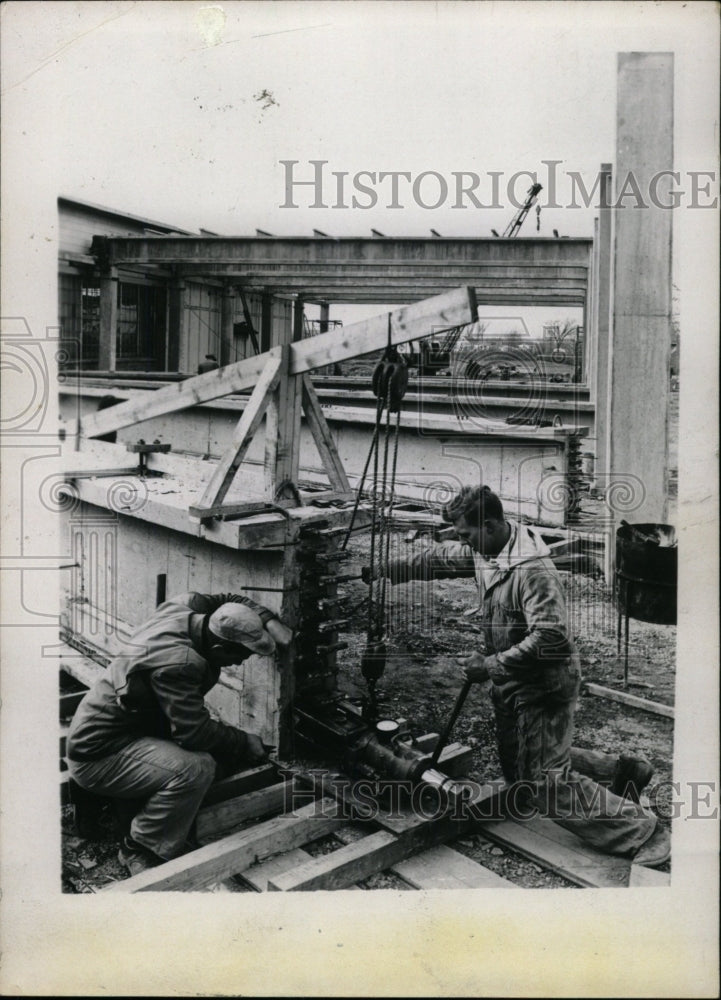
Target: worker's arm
[
  {"x": 447, "y": 559},
  {"x": 547, "y": 638},
  {"x": 179, "y": 689}
]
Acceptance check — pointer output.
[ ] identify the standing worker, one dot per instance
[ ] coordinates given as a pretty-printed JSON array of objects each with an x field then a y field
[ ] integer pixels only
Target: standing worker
[
  {"x": 143, "y": 730},
  {"x": 534, "y": 668}
]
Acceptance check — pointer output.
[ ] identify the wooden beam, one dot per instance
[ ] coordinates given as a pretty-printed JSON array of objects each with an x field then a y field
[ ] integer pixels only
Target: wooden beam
[
  {"x": 343, "y": 867},
  {"x": 442, "y": 867},
  {"x": 409, "y": 323},
  {"x": 543, "y": 841},
  {"x": 631, "y": 700},
  {"x": 198, "y": 389},
  {"x": 237, "y": 852},
  {"x": 225, "y": 816},
  {"x": 642, "y": 876},
  {"x": 323, "y": 438},
  {"x": 224, "y": 473},
  {"x": 241, "y": 783}
]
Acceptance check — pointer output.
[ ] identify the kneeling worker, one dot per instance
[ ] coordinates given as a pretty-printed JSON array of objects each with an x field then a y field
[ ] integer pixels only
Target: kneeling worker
[
  {"x": 143, "y": 730},
  {"x": 531, "y": 660}
]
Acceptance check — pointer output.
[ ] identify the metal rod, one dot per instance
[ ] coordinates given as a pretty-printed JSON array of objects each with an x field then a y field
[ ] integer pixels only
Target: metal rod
[{"x": 443, "y": 738}]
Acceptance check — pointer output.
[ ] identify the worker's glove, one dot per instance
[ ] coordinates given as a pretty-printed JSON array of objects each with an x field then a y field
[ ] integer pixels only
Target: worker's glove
[
  {"x": 474, "y": 666},
  {"x": 279, "y": 631},
  {"x": 255, "y": 750}
]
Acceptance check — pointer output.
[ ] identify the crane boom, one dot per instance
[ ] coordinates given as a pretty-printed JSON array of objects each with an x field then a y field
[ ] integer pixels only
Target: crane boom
[{"x": 516, "y": 222}]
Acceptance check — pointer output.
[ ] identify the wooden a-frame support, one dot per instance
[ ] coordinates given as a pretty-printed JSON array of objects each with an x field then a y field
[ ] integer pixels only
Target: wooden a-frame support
[{"x": 280, "y": 384}]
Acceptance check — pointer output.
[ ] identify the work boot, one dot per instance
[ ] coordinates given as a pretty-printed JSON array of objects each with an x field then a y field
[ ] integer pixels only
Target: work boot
[
  {"x": 135, "y": 857},
  {"x": 632, "y": 776},
  {"x": 655, "y": 851}
]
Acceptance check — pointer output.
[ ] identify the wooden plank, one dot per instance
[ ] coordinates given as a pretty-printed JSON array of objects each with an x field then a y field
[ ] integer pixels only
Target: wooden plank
[
  {"x": 198, "y": 389},
  {"x": 259, "y": 875},
  {"x": 630, "y": 699},
  {"x": 443, "y": 868},
  {"x": 431, "y": 315},
  {"x": 543, "y": 841},
  {"x": 642, "y": 876},
  {"x": 237, "y": 852},
  {"x": 343, "y": 867},
  {"x": 241, "y": 783},
  {"x": 224, "y": 473},
  {"x": 225, "y": 816},
  {"x": 323, "y": 438}
]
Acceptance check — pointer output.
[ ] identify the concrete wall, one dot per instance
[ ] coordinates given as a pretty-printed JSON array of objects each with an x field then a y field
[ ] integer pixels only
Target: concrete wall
[{"x": 528, "y": 467}]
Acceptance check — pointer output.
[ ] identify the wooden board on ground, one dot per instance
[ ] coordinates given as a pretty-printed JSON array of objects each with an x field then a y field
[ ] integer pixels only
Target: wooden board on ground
[
  {"x": 632, "y": 700},
  {"x": 241, "y": 783},
  {"x": 543, "y": 841},
  {"x": 644, "y": 877},
  {"x": 444, "y": 868},
  {"x": 237, "y": 852},
  {"x": 218, "y": 819}
]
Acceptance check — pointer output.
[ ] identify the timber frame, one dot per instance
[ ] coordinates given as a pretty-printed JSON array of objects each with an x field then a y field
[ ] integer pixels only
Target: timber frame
[{"x": 280, "y": 385}]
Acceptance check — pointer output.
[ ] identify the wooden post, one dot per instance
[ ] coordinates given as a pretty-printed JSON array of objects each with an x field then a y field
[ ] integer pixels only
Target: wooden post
[
  {"x": 227, "y": 316},
  {"x": 266, "y": 322},
  {"x": 641, "y": 330},
  {"x": 108, "y": 345}
]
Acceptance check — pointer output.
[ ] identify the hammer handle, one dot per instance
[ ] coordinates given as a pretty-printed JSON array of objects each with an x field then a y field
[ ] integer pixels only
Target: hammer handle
[{"x": 443, "y": 738}]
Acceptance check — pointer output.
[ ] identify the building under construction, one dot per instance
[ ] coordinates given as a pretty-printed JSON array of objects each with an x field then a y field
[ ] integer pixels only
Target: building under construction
[{"x": 249, "y": 475}]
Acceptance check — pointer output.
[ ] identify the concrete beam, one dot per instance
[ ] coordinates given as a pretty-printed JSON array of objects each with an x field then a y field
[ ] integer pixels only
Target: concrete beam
[{"x": 641, "y": 337}]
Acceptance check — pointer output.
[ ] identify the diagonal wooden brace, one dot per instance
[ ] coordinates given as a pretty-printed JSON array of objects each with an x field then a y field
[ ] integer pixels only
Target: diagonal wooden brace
[
  {"x": 253, "y": 414},
  {"x": 323, "y": 439}
]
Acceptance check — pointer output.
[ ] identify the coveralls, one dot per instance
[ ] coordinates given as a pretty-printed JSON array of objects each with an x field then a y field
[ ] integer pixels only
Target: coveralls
[
  {"x": 535, "y": 673},
  {"x": 143, "y": 731}
]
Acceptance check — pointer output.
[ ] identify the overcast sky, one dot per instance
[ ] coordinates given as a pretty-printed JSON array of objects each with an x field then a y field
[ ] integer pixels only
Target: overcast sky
[{"x": 183, "y": 111}]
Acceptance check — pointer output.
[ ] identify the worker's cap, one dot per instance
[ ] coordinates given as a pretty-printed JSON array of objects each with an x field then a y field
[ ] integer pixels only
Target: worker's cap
[{"x": 239, "y": 624}]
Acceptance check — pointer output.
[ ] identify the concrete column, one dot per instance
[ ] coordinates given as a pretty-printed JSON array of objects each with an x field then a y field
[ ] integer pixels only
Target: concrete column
[
  {"x": 641, "y": 330},
  {"x": 602, "y": 385},
  {"x": 324, "y": 317},
  {"x": 108, "y": 341},
  {"x": 177, "y": 349}
]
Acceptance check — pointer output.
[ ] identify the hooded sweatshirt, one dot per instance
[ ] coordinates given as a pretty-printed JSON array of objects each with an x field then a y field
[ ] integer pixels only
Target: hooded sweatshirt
[{"x": 522, "y": 608}]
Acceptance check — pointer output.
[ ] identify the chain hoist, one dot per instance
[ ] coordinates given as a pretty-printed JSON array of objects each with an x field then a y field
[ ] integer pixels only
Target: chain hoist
[{"x": 389, "y": 383}]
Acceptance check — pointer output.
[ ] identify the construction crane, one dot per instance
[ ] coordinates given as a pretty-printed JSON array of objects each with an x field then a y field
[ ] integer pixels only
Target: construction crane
[{"x": 516, "y": 222}]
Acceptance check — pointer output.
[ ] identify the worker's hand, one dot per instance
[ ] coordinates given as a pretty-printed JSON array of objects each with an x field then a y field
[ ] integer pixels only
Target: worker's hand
[
  {"x": 255, "y": 751},
  {"x": 280, "y": 632},
  {"x": 474, "y": 667}
]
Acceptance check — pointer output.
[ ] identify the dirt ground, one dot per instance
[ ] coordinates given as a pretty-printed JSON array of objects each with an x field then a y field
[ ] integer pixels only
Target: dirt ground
[{"x": 429, "y": 625}]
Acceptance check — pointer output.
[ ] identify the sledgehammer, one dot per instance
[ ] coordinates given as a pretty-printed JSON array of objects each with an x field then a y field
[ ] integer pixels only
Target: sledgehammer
[{"x": 443, "y": 738}]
